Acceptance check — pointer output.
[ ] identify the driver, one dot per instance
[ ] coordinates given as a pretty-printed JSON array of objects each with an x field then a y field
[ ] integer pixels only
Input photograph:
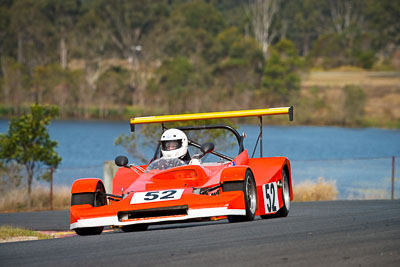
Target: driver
[{"x": 174, "y": 144}]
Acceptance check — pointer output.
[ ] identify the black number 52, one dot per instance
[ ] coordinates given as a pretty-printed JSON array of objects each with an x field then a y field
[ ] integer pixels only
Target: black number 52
[
  {"x": 270, "y": 191},
  {"x": 153, "y": 195}
]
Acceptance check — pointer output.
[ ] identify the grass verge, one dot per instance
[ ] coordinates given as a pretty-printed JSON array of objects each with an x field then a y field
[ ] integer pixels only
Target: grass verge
[
  {"x": 9, "y": 233},
  {"x": 15, "y": 200}
]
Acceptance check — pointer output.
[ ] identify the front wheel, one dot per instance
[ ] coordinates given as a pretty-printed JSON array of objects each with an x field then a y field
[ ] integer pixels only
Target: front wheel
[
  {"x": 89, "y": 230},
  {"x": 250, "y": 199},
  {"x": 95, "y": 199}
]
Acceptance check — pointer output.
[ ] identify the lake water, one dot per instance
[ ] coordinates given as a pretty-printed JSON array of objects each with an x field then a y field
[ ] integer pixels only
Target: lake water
[{"x": 359, "y": 160}]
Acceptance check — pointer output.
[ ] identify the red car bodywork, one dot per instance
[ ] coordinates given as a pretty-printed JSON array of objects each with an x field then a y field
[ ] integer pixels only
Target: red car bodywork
[{"x": 173, "y": 194}]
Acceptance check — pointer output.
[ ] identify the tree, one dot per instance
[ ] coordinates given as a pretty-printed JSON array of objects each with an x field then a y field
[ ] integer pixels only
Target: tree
[
  {"x": 125, "y": 22},
  {"x": 10, "y": 176},
  {"x": 28, "y": 142},
  {"x": 61, "y": 18},
  {"x": 383, "y": 22},
  {"x": 345, "y": 14},
  {"x": 200, "y": 15},
  {"x": 29, "y": 28},
  {"x": 174, "y": 83},
  {"x": 144, "y": 139},
  {"x": 261, "y": 14},
  {"x": 242, "y": 64},
  {"x": 23, "y": 15},
  {"x": 15, "y": 83},
  {"x": 5, "y": 6},
  {"x": 354, "y": 104},
  {"x": 300, "y": 22},
  {"x": 113, "y": 89},
  {"x": 281, "y": 75},
  {"x": 53, "y": 84}
]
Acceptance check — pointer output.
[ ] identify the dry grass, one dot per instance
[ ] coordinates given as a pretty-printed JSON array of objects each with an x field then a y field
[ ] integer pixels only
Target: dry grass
[
  {"x": 16, "y": 199},
  {"x": 381, "y": 88},
  {"x": 360, "y": 78},
  {"x": 315, "y": 191}
]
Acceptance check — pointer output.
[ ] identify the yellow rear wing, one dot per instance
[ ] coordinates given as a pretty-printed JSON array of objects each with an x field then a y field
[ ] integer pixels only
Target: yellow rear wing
[{"x": 212, "y": 115}]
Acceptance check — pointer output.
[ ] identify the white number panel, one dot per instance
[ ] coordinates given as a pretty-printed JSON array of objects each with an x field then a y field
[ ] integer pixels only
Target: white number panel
[
  {"x": 155, "y": 196},
  {"x": 271, "y": 201}
]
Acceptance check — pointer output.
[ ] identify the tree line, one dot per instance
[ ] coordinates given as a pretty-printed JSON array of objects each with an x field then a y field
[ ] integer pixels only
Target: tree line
[{"x": 118, "y": 58}]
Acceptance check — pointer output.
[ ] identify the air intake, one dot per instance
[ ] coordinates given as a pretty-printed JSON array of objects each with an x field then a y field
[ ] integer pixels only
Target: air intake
[{"x": 152, "y": 213}]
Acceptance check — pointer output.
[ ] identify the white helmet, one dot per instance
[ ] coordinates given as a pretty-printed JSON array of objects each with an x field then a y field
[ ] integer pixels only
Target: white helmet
[{"x": 174, "y": 143}]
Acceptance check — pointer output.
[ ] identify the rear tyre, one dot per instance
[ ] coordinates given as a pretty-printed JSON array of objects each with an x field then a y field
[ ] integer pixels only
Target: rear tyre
[
  {"x": 96, "y": 199},
  {"x": 250, "y": 199},
  {"x": 134, "y": 227},
  {"x": 284, "y": 211}
]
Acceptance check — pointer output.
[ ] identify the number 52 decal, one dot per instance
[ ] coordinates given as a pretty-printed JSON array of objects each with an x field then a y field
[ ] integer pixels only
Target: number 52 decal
[
  {"x": 155, "y": 196},
  {"x": 270, "y": 192}
]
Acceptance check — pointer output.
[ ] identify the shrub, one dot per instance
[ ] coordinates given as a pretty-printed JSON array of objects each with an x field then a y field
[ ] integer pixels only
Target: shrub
[
  {"x": 354, "y": 104},
  {"x": 320, "y": 190}
]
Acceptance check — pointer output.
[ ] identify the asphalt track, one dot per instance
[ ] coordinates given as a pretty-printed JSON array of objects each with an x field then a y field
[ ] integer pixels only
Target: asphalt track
[{"x": 339, "y": 233}]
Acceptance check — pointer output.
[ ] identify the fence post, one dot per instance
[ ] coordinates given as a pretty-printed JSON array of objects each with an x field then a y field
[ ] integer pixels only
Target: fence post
[
  {"x": 393, "y": 172},
  {"x": 51, "y": 187},
  {"x": 109, "y": 172}
]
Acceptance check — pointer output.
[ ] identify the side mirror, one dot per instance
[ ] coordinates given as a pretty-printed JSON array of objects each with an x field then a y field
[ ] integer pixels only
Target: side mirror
[
  {"x": 121, "y": 161},
  {"x": 207, "y": 148}
]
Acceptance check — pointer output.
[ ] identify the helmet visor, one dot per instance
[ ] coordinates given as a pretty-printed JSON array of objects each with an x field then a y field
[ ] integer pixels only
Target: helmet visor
[{"x": 171, "y": 145}]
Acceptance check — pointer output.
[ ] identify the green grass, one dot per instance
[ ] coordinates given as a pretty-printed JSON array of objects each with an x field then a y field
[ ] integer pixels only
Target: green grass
[{"x": 7, "y": 232}]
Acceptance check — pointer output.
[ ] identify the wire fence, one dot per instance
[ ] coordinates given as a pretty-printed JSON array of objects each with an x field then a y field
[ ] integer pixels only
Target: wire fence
[{"x": 357, "y": 178}]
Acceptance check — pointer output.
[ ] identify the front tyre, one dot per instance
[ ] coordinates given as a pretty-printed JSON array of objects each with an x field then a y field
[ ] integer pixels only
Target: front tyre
[
  {"x": 89, "y": 230},
  {"x": 95, "y": 199},
  {"x": 250, "y": 199}
]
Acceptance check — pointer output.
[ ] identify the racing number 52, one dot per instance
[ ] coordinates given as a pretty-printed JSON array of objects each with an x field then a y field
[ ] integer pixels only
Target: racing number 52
[
  {"x": 270, "y": 193},
  {"x": 153, "y": 195}
]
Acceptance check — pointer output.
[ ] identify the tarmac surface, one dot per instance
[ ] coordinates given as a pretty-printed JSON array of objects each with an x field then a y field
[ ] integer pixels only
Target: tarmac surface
[{"x": 336, "y": 233}]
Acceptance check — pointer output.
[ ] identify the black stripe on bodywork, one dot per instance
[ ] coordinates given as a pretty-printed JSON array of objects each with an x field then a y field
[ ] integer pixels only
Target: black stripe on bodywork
[
  {"x": 82, "y": 198},
  {"x": 232, "y": 186}
]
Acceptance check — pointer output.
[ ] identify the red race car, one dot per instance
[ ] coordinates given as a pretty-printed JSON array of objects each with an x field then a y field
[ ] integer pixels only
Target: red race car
[{"x": 176, "y": 186}]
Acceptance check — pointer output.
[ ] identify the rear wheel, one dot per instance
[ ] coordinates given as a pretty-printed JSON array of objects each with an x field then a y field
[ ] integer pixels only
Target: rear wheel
[
  {"x": 250, "y": 199},
  {"x": 134, "y": 227},
  {"x": 284, "y": 211},
  {"x": 96, "y": 199}
]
